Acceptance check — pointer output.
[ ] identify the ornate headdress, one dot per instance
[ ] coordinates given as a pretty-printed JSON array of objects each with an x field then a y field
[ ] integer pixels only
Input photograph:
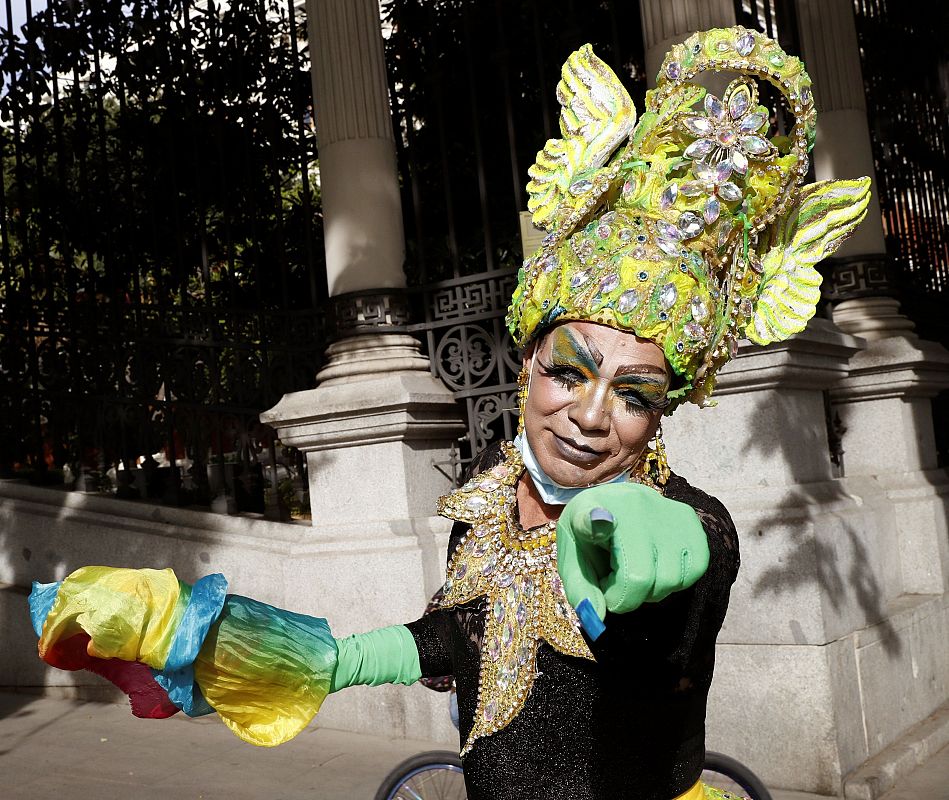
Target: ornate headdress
[{"x": 695, "y": 232}]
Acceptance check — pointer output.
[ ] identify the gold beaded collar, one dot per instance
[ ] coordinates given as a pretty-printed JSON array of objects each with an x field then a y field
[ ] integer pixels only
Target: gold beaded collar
[{"x": 516, "y": 572}]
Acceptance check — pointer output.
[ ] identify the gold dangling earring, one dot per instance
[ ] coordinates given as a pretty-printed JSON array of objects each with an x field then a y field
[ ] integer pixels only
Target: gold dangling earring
[
  {"x": 654, "y": 465},
  {"x": 522, "y": 380}
]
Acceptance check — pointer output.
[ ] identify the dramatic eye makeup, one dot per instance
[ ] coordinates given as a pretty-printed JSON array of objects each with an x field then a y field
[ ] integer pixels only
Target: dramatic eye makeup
[{"x": 641, "y": 387}]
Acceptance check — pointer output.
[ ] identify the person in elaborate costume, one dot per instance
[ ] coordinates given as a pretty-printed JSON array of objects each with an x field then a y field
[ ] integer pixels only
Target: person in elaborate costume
[{"x": 668, "y": 239}]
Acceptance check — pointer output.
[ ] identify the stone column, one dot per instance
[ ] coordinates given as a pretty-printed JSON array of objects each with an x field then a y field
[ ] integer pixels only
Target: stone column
[
  {"x": 379, "y": 418},
  {"x": 668, "y": 22},
  {"x": 378, "y": 429}
]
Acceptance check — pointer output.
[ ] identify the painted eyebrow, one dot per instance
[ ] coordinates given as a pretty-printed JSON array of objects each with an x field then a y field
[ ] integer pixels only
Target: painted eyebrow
[
  {"x": 643, "y": 371},
  {"x": 591, "y": 356}
]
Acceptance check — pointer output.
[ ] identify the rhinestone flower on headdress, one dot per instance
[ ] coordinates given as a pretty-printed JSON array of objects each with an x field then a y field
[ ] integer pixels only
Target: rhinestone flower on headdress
[{"x": 696, "y": 230}]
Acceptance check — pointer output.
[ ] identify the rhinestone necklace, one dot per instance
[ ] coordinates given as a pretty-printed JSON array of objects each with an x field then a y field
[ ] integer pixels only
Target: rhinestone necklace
[{"x": 516, "y": 572}]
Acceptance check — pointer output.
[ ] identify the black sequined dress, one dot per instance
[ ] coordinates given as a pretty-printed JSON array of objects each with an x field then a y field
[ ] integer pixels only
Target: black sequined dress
[{"x": 630, "y": 726}]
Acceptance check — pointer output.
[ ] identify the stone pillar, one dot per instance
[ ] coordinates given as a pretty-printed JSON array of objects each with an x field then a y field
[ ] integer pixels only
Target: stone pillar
[
  {"x": 378, "y": 429},
  {"x": 858, "y": 277},
  {"x": 668, "y": 22}
]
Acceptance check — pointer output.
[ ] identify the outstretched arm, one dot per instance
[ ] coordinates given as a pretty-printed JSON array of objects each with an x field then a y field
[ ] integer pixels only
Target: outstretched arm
[{"x": 173, "y": 647}]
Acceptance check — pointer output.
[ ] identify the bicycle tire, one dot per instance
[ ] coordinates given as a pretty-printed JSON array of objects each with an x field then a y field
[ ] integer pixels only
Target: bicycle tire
[
  {"x": 750, "y": 784},
  {"x": 422, "y": 766}
]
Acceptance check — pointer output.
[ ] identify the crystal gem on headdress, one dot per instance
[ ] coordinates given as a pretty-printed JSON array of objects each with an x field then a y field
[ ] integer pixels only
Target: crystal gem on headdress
[
  {"x": 806, "y": 96},
  {"x": 673, "y": 70},
  {"x": 726, "y": 137},
  {"x": 521, "y": 615},
  {"x": 745, "y": 44},
  {"x": 625, "y": 234},
  {"x": 712, "y": 210},
  {"x": 746, "y": 307},
  {"x": 461, "y": 570},
  {"x": 579, "y": 278},
  {"x": 714, "y": 107},
  {"x": 739, "y": 102},
  {"x": 752, "y": 122},
  {"x": 668, "y": 296},
  {"x": 667, "y": 231},
  {"x": 549, "y": 264},
  {"x": 528, "y": 587},
  {"x": 549, "y": 239},
  {"x": 668, "y": 196},
  {"x": 739, "y": 162},
  {"x": 699, "y": 309},
  {"x": 490, "y": 710},
  {"x": 609, "y": 283},
  {"x": 754, "y": 145},
  {"x": 690, "y": 224},
  {"x": 609, "y": 217},
  {"x": 699, "y": 125},
  {"x": 643, "y": 275},
  {"x": 603, "y": 230},
  {"x": 694, "y": 331},
  {"x": 480, "y": 548},
  {"x": 680, "y": 346},
  {"x": 729, "y": 191},
  {"x": 668, "y": 246},
  {"x": 628, "y": 300},
  {"x": 776, "y": 60},
  {"x": 505, "y": 579},
  {"x": 488, "y": 485},
  {"x": 639, "y": 252},
  {"x": 663, "y": 316},
  {"x": 581, "y": 186},
  {"x": 699, "y": 148},
  {"x": 586, "y": 248},
  {"x": 755, "y": 264}
]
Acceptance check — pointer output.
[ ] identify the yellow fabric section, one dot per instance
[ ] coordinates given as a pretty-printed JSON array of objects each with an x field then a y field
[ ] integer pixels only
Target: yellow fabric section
[
  {"x": 697, "y": 792},
  {"x": 264, "y": 670},
  {"x": 130, "y": 614}
]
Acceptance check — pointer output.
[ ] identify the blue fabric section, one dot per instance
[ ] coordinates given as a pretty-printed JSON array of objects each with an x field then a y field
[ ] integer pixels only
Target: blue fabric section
[
  {"x": 177, "y": 676},
  {"x": 41, "y": 601}
]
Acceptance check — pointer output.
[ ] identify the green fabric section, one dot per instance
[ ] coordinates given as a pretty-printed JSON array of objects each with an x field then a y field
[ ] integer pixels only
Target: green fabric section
[
  {"x": 652, "y": 547},
  {"x": 385, "y": 655}
]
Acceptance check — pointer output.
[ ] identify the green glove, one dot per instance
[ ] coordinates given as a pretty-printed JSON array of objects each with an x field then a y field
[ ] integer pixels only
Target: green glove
[
  {"x": 385, "y": 655},
  {"x": 624, "y": 544}
]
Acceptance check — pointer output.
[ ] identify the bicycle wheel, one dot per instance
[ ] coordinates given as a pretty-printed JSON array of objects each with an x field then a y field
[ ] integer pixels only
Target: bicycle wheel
[
  {"x": 730, "y": 775},
  {"x": 427, "y": 776}
]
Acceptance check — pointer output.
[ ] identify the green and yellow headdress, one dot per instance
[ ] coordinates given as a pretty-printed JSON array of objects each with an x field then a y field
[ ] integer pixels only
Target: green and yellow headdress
[{"x": 689, "y": 227}]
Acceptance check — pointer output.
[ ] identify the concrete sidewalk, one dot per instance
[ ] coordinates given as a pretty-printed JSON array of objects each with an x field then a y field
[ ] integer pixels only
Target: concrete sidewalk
[{"x": 55, "y": 748}]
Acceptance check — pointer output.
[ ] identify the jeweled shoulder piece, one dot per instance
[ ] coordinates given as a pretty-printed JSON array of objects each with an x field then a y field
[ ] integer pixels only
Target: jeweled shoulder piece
[
  {"x": 515, "y": 571},
  {"x": 692, "y": 231}
]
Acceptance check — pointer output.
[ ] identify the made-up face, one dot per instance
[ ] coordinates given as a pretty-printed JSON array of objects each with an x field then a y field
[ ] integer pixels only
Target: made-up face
[{"x": 595, "y": 400}]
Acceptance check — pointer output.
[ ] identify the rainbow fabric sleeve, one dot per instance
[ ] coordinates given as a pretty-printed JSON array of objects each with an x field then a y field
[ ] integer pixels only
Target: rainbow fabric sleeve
[{"x": 171, "y": 647}]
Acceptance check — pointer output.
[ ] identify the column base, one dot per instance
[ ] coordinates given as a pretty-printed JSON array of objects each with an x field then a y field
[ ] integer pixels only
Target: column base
[{"x": 873, "y": 318}]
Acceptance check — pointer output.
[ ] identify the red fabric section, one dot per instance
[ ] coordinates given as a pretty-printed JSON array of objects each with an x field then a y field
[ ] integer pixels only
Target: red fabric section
[{"x": 147, "y": 698}]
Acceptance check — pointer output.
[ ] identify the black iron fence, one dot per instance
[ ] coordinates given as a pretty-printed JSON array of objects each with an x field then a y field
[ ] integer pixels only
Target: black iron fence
[{"x": 161, "y": 267}]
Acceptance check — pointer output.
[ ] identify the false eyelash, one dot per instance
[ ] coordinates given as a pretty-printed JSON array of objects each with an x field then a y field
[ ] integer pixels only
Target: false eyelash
[{"x": 568, "y": 377}]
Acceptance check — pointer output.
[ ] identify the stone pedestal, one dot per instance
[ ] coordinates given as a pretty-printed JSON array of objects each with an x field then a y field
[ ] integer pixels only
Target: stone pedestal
[{"x": 828, "y": 653}]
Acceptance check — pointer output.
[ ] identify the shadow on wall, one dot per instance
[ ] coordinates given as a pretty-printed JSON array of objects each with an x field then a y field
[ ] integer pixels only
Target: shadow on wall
[{"x": 846, "y": 571}]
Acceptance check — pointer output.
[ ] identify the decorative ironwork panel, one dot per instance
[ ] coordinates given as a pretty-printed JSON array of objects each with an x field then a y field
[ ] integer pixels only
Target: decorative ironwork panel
[
  {"x": 160, "y": 270},
  {"x": 471, "y": 351}
]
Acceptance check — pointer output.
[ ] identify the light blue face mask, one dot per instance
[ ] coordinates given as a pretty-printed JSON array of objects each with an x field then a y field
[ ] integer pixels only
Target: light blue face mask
[{"x": 550, "y": 491}]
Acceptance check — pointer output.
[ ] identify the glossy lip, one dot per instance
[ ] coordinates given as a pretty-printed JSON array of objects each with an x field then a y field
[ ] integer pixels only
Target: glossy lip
[{"x": 574, "y": 451}]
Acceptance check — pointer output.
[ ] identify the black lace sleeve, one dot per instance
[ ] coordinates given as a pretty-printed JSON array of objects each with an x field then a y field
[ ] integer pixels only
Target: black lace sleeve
[{"x": 707, "y": 600}]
